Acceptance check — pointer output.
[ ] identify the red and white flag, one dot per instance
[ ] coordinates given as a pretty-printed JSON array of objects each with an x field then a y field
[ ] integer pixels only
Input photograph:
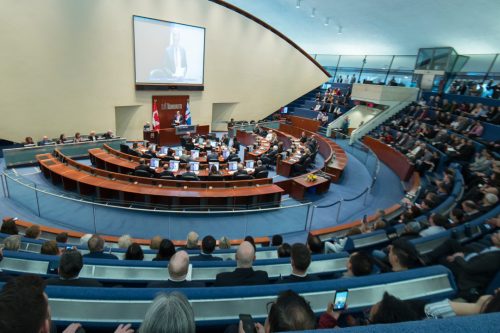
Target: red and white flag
[{"x": 156, "y": 117}]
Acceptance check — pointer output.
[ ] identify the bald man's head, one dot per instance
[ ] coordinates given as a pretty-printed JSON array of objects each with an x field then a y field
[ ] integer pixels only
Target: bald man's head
[
  {"x": 245, "y": 255},
  {"x": 178, "y": 266}
]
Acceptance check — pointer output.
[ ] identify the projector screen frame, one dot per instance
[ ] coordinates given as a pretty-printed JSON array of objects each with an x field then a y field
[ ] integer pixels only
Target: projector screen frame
[{"x": 163, "y": 85}]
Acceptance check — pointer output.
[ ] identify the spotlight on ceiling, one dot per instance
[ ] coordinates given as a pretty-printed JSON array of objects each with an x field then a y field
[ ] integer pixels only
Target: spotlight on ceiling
[
  {"x": 327, "y": 21},
  {"x": 340, "y": 30},
  {"x": 313, "y": 13},
  {"x": 298, "y": 4}
]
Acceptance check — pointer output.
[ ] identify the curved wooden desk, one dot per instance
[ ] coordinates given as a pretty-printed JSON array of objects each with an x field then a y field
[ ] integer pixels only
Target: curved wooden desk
[{"x": 171, "y": 194}]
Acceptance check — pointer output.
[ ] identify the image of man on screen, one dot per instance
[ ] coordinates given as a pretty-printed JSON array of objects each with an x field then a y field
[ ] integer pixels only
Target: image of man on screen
[{"x": 175, "y": 57}]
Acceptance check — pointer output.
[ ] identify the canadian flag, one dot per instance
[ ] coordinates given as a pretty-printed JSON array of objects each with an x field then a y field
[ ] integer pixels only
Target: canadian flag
[{"x": 156, "y": 118}]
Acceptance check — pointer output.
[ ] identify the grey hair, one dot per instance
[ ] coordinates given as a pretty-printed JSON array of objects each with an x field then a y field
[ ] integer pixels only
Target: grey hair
[
  {"x": 12, "y": 243},
  {"x": 124, "y": 241},
  {"x": 169, "y": 313}
]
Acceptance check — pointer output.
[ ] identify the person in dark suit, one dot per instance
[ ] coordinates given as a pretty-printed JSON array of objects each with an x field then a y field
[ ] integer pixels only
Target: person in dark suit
[
  {"x": 165, "y": 172},
  {"x": 225, "y": 139},
  {"x": 108, "y": 135},
  {"x": 244, "y": 273},
  {"x": 233, "y": 156},
  {"x": 92, "y": 136},
  {"x": 300, "y": 261},
  {"x": 303, "y": 137},
  {"x": 178, "y": 267},
  {"x": 213, "y": 157},
  {"x": 241, "y": 171},
  {"x": 259, "y": 167},
  {"x": 473, "y": 270},
  {"x": 175, "y": 58},
  {"x": 207, "y": 248},
  {"x": 96, "y": 248},
  {"x": 70, "y": 265},
  {"x": 236, "y": 144},
  {"x": 189, "y": 174},
  {"x": 143, "y": 166}
]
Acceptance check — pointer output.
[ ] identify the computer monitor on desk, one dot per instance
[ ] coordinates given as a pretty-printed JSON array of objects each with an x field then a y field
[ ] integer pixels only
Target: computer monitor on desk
[
  {"x": 173, "y": 166},
  {"x": 195, "y": 166},
  {"x": 154, "y": 163},
  {"x": 164, "y": 150},
  {"x": 195, "y": 153},
  {"x": 249, "y": 164},
  {"x": 225, "y": 153},
  {"x": 232, "y": 166}
]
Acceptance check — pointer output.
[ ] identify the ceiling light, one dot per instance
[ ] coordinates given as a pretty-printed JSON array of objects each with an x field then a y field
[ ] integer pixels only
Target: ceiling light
[
  {"x": 340, "y": 30},
  {"x": 327, "y": 21},
  {"x": 298, "y": 4},
  {"x": 313, "y": 13}
]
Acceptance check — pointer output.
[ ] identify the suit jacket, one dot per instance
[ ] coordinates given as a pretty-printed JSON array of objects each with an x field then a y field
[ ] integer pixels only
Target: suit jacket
[
  {"x": 170, "y": 59},
  {"x": 176, "y": 284},
  {"x": 240, "y": 172},
  {"x": 100, "y": 255},
  {"x": 188, "y": 175},
  {"x": 143, "y": 167},
  {"x": 259, "y": 169},
  {"x": 213, "y": 157},
  {"x": 295, "y": 278},
  {"x": 74, "y": 283},
  {"x": 205, "y": 257},
  {"x": 92, "y": 138},
  {"x": 241, "y": 276},
  {"x": 476, "y": 273}
]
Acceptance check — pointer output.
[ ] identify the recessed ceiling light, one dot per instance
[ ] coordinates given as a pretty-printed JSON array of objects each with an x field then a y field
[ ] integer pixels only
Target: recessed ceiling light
[
  {"x": 327, "y": 21},
  {"x": 298, "y": 4},
  {"x": 313, "y": 12}
]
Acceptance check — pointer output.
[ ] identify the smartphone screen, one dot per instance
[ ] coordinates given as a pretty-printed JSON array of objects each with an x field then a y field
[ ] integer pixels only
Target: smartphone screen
[
  {"x": 248, "y": 323},
  {"x": 340, "y": 301}
]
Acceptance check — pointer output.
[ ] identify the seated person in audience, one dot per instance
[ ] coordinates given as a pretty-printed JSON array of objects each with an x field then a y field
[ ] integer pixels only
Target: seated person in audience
[
  {"x": 134, "y": 252},
  {"x": 476, "y": 130},
  {"x": 70, "y": 265},
  {"x": 471, "y": 210},
  {"x": 437, "y": 222},
  {"x": 185, "y": 158},
  {"x": 45, "y": 141},
  {"x": 108, "y": 135},
  {"x": 359, "y": 264},
  {"x": 77, "y": 138},
  {"x": 96, "y": 249},
  {"x": 270, "y": 157},
  {"x": 62, "y": 237},
  {"x": 388, "y": 311},
  {"x": 189, "y": 175},
  {"x": 300, "y": 261},
  {"x": 224, "y": 243},
  {"x": 192, "y": 241},
  {"x": 50, "y": 248},
  {"x": 9, "y": 227},
  {"x": 276, "y": 240},
  {"x": 489, "y": 201},
  {"x": 61, "y": 139},
  {"x": 315, "y": 244},
  {"x": 241, "y": 171},
  {"x": 447, "y": 308},
  {"x": 85, "y": 239},
  {"x": 284, "y": 250},
  {"x": 225, "y": 140},
  {"x": 166, "y": 249},
  {"x": 155, "y": 242},
  {"x": 92, "y": 136},
  {"x": 28, "y": 141},
  {"x": 12, "y": 243},
  {"x": 244, "y": 273},
  {"x": 290, "y": 312},
  {"x": 338, "y": 244},
  {"x": 124, "y": 241},
  {"x": 402, "y": 256},
  {"x": 214, "y": 172},
  {"x": 178, "y": 267},
  {"x": 33, "y": 232},
  {"x": 473, "y": 270},
  {"x": 207, "y": 248},
  {"x": 170, "y": 313},
  {"x": 24, "y": 307}
]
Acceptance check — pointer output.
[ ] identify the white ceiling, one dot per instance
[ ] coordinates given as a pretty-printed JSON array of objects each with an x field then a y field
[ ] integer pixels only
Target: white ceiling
[{"x": 383, "y": 27}]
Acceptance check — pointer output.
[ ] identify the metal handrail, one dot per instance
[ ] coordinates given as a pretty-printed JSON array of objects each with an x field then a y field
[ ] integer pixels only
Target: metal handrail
[{"x": 106, "y": 203}]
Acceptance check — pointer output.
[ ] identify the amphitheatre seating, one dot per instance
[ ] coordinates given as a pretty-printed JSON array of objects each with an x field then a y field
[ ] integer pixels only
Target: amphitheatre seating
[
  {"x": 220, "y": 306},
  {"x": 427, "y": 244},
  {"x": 133, "y": 271}
]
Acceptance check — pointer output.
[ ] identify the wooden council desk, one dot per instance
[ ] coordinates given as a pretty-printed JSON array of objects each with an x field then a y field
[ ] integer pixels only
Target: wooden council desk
[{"x": 300, "y": 185}]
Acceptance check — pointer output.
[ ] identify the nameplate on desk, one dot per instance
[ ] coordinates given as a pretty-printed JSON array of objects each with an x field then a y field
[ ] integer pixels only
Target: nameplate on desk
[{"x": 183, "y": 129}]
